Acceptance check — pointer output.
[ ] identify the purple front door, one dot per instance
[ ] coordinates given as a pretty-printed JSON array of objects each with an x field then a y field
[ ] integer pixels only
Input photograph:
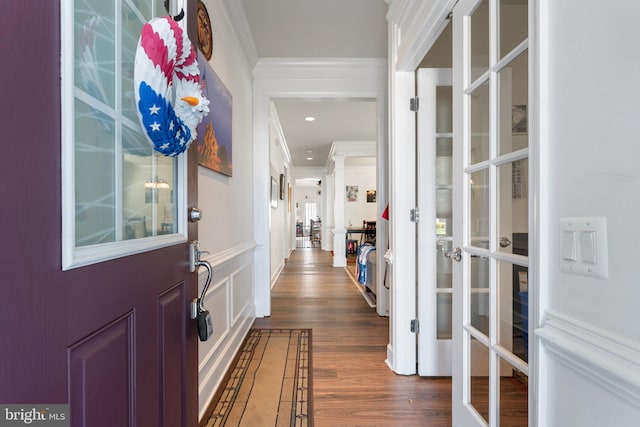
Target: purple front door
[{"x": 114, "y": 340}]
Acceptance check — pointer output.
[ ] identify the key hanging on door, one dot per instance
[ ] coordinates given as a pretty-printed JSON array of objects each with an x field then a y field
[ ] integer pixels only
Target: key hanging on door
[{"x": 202, "y": 316}]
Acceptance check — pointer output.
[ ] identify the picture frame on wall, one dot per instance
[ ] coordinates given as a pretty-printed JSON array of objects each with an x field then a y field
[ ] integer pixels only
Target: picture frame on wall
[
  {"x": 352, "y": 193},
  {"x": 371, "y": 196},
  {"x": 274, "y": 193},
  {"x": 282, "y": 185},
  {"x": 215, "y": 139}
]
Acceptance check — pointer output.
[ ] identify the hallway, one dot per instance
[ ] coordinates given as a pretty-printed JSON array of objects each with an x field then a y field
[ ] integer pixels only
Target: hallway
[{"x": 352, "y": 386}]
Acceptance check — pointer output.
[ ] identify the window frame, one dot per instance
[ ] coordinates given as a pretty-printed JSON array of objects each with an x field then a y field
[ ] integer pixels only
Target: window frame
[{"x": 72, "y": 255}]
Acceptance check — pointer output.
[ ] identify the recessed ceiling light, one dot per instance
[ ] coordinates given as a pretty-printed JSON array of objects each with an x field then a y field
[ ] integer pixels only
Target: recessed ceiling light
[
  {"x": 309, "y": 158},
  {"x": 309, "y": 150},
  {"x": 309, "y": 118}
]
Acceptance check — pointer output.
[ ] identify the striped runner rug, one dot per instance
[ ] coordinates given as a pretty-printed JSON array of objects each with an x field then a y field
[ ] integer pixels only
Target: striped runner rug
[{"x": 269, "y": 383}]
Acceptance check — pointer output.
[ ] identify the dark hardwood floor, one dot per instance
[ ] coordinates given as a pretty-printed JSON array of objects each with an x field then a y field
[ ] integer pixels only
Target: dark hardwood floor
[{"x": 352, "y": 385}]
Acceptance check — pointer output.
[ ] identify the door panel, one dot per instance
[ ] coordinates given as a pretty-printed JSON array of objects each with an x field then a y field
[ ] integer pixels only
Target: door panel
[
  {"x": 101, "y": 369},
  {"x": 113, "y": 340},
  {"x": 435, "y": 191},
  {"x": 491, "y": 212},
  {"x": 172, "y": 363}
]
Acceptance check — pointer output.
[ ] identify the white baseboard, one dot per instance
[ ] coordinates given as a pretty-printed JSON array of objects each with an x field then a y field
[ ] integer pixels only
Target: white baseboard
[
  {"x": 389, "y": 360},
  {"x": 277, "y": 273},
  {"x": 210, "y": 380}
]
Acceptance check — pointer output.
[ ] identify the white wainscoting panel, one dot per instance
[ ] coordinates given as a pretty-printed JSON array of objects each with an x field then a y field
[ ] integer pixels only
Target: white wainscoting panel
[
  {"x": 242, "y": 292},
  {"x": 230, "y": 300},
  {"x": 216, "y": 302}
]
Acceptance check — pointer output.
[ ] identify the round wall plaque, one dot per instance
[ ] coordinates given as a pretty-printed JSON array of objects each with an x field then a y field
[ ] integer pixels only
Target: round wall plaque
[{"x": 205, "y": 37}]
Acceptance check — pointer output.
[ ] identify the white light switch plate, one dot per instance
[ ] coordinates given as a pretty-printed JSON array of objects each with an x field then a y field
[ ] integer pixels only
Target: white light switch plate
[{"x": 591, "y": 252}]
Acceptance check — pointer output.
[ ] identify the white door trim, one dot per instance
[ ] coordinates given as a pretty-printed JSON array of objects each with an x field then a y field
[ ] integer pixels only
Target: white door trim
[
  {"x": 305, "y": 79},
  {"x": 414, "y": 26}
]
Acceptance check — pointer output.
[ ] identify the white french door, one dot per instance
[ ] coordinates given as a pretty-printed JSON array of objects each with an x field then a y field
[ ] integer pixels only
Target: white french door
[
  {"x": 490, "y": 213},
  {"x": 435, "y": 191}
]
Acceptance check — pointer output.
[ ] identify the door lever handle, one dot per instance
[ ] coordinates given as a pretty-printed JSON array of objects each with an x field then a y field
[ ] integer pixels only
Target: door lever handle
[
  {"x": 505, "y": 242},
  {"x": 455, "y": 254},
  {"x": 194, "y": 255}
]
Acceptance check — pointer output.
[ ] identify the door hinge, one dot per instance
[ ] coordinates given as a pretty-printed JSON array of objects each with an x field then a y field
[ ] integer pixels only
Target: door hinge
[
  {"x": 414, "y": 104},
  {"x": 415, "y": 326},
  {"x": 414, "y": 215}
]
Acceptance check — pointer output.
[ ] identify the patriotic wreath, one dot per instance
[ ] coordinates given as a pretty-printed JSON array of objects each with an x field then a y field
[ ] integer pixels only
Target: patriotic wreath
[{"x": 166, "y": 69}]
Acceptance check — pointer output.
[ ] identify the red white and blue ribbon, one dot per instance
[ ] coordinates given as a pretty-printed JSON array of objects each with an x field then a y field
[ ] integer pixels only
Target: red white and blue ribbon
[{"x": 166, "y": 69}]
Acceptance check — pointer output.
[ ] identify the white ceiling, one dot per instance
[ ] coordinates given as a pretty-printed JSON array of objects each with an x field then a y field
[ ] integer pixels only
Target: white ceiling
[
  {"x": 335, "y": 121},
  {"x": 320, "y": 29}
]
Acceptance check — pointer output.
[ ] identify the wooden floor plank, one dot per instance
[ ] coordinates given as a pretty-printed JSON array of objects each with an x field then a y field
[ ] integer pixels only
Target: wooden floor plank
[{"x": 352, "y": 385}]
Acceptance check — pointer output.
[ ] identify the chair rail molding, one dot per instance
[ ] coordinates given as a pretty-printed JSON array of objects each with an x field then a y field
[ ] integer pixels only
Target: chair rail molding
[
  {"x": 219, "y": 258},
  {"x": 603, "y": 357}
]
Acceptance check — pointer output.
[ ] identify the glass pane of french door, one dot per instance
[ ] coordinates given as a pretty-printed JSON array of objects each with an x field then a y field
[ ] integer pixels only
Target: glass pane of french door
[
  {"x": 479, "y": 57},
  {"x": 513, "y": 24},
  {"x": 490, "y": 39},
  {"x": 514, "y": 396},
  {"x": 512, "y": 81}
]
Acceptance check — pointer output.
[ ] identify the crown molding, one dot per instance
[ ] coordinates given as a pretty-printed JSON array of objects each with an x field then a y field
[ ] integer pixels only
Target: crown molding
[
  {"x": 308, "y": 172},
  {"x": 237, "y": 17},
  {"x": 324, "y": 68},
  {"x": 351, "y": 149},
  {"x": 420, "y": 25}
]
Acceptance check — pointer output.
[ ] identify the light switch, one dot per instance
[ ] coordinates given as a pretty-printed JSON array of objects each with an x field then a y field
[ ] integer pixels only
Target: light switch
[
  {"x": 569, "y": 246},
  {"x": 584, "y": 246},
  {"x": 588, "y": 247}
]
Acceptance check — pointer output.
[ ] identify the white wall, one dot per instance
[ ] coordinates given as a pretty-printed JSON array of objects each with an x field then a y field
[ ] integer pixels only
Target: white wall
[
  {"x": 304, "y": 195},
  {"x": 280, "y": 219},
  {"x": 305, "y": 180},
  {"x": 362, "y": 174},
  {"x": 590, "y": 352},
  {"x": 226, "y": 229}
]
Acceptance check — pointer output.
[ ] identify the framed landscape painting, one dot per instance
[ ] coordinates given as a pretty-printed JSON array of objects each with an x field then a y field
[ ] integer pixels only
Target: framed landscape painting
[{"x": 214, "y": 133}]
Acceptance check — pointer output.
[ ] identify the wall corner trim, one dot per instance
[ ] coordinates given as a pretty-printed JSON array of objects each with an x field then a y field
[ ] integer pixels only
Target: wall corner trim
[{"x": 603, "y": 357}]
